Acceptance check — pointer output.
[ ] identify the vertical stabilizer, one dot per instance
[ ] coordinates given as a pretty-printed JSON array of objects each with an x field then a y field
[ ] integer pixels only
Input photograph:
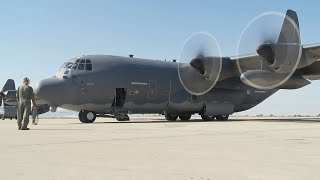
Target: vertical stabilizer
[
  {"x": 290, "y": 31},
  {"x": 10, "y": 85}
]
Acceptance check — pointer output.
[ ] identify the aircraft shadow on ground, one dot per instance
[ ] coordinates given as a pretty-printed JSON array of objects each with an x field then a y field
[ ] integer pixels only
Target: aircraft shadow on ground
[
  {"x": 146, "y": 121},
  {"x": 47, "y": 129},
  {"x": 200, "y": 120},
  {"x": 302, "y": 120}
]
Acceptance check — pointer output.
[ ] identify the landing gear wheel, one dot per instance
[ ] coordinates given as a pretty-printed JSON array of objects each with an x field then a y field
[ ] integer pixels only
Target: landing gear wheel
[
  {"x": 208, "y": 117},
  {"x": 222, "y": 117},
  {"x": 185, "y": 117},
  {"x": 170, "y": 117},
  {"x": 80, "y": 116},
  {"x": 87, "y": 116}
]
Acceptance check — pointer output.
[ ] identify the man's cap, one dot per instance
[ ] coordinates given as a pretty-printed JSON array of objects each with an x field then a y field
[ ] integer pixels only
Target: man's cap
[{"x": 26, "y": 79}]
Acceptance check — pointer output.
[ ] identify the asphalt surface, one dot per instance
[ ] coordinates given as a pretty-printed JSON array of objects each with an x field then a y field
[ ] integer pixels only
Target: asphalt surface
[{"x": 152, "y": 148}]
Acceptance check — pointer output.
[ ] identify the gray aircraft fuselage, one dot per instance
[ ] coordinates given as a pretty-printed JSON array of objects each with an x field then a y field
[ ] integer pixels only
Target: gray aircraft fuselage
[{"x": 151, "y": 86}]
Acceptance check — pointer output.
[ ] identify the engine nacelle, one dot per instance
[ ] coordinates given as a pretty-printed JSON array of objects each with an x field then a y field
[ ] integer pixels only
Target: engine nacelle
[
  {"x": 281, "y": 57},
  {"x": 265, "y": 80}
]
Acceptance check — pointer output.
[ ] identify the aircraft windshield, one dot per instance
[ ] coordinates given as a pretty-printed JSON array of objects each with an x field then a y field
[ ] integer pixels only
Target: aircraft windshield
[
  {"x": 67, "y": 65},
  {"x": 83, "y": 65},
  {"x": 79, "y": 65}
]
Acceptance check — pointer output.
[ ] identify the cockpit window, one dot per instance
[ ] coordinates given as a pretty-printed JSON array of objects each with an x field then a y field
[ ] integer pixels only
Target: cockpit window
[
  {"x": 81, "y": 67},
  {"x": 75, "y": 66},
  {"x": 89, "y": 67},
  {"x": 69, "y": 65},
  {"x": 85, "y": 64},
  {"x": 80, "y": 64}
]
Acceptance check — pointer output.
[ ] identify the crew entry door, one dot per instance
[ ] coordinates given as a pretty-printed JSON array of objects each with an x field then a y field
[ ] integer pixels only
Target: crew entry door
[{"x": 120, "y": 97}]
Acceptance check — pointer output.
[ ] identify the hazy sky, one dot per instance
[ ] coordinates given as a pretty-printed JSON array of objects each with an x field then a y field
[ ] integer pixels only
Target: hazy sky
[{"x": 36, "y": 37}]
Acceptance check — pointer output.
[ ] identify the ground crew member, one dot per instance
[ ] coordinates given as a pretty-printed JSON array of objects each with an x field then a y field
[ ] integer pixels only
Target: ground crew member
[
  {"x": 25, "y": 95},
  {"x": 34, "y": 115}
]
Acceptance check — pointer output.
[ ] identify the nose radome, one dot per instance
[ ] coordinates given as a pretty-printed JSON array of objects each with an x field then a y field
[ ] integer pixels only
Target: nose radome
[
  {"x": 38, "y": 87},
  {"x": 47, "y": 89}
]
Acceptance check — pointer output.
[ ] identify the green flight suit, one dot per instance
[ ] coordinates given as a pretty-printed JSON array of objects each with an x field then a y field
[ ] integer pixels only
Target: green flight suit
[{"x": 24, "y": 97}]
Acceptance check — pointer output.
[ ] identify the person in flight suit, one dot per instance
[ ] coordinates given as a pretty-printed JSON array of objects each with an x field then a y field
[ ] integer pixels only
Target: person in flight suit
[{"x": 25, "y": 95}]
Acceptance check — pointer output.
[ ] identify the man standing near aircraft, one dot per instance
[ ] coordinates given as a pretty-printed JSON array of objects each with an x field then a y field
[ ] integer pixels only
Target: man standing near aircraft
[{"x": 25, "y": 95}]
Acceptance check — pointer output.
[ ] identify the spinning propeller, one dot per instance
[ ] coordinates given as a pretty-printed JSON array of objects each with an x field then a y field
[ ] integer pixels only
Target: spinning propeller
[
  {"x": 279, "y": 53},
  {"x": 200, "y": 63}
]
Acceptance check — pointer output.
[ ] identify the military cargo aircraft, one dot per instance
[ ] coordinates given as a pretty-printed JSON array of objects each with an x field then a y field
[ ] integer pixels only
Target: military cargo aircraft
[
  {"x": 9, "y": 104},
  {"x": 200, "y": 82}
]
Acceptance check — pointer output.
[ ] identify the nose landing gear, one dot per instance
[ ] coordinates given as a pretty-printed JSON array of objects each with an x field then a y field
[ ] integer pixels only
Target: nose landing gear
[{"x": 87, "y": 116}]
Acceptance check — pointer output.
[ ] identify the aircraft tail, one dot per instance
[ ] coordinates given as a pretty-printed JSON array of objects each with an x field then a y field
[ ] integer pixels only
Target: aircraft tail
[
  {"x": 10, "y": 85},
  {"x": 290, "y": 31}
]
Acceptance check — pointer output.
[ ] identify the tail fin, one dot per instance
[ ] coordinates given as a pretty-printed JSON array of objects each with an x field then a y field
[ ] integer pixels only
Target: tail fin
[
  {"x": 10, "y": 85},
  {"x": 290, "y": 31}
]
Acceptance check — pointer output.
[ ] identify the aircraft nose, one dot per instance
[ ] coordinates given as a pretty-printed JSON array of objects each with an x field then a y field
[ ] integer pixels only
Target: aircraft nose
[{"x": 48, "y": 89}]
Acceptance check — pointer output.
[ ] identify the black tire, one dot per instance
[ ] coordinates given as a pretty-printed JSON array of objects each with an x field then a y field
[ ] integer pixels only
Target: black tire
[
  {"x": 222, "y": 117},
  {"x": 87, "y": 116},
  {"x": 185, "y": 117},
  {"x": 208, "y": 117},
  {"x": 170, "y": 117},
  {"x": 80, "y": 116}
]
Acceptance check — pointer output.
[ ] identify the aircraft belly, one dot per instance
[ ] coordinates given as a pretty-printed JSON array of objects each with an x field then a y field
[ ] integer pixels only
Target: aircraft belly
[
  {"x": 253, "y": 98},
  {"x": 146, "y": 108}
]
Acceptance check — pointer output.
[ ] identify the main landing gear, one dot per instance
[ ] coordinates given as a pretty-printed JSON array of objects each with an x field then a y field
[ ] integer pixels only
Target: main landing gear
[
  {"x": 172, "y": 117},
  {"x": 214, "y": 117},
  {"x": 186, "y": 117},
  {"x": 87, "y": 116}
]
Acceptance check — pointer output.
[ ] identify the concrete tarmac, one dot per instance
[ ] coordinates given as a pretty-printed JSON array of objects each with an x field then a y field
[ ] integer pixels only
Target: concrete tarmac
[{"x": 152, "y": 148}]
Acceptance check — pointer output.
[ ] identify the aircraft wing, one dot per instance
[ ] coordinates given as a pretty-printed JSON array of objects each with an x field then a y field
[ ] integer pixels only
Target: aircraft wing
[
  {"x": 313, "y": 49},
  {"x": 311, "y": 72}
]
